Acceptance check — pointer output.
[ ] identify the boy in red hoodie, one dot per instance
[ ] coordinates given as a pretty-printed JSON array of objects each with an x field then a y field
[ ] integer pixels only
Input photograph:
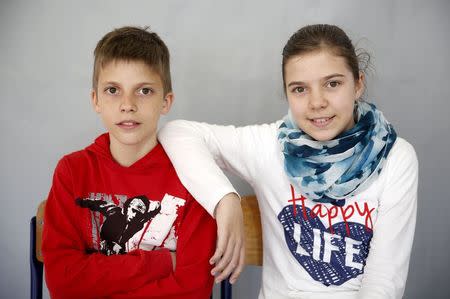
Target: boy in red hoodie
[{"x": 118, "y": 222}]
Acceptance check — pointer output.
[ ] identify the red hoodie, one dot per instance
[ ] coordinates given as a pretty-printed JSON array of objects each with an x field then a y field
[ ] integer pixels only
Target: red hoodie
[{"x": 103, "y": 220}]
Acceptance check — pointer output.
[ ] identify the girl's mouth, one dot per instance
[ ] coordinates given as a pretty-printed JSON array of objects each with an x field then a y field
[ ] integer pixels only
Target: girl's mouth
[{"x": 321, "y": 122}]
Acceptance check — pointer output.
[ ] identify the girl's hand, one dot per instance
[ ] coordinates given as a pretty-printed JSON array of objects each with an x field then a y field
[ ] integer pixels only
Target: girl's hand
[
  {"x": 229, "y": 256},
  {"x": 173, "y": 255}
]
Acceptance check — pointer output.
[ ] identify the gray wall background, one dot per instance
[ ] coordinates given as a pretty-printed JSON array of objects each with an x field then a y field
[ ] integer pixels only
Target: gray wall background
[{"x": 226, "y": 58}]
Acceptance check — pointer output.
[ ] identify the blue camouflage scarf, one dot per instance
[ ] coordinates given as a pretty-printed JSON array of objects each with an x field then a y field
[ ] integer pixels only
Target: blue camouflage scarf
[{"x": 331, "y": 171}]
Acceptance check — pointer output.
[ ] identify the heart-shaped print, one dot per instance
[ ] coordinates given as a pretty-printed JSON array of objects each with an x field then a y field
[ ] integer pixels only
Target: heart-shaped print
[{"x": 306, "y": 236}]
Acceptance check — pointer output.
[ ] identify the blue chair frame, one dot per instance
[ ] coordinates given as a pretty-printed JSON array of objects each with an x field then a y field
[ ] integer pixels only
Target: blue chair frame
[
  {"x": 36, "y": 266},
  {"x": 225, "y": 289}
]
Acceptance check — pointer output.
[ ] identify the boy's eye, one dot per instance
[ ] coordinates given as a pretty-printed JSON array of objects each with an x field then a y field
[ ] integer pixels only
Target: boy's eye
[
  {"x": 298, "y": 89},
  {"x": 145, "y": 91},
  {"x": 111, "y": 90}
]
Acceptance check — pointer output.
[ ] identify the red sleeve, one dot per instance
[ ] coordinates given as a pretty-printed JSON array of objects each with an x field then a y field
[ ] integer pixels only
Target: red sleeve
[
  {"x": 72, "y": 273},
  {"x": 192, "y": 278}
]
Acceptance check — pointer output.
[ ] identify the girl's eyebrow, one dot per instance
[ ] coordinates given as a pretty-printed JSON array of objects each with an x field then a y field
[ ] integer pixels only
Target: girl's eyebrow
[
  {"x": 324, "y": 79},
  {"x": 332, "y": 76}
]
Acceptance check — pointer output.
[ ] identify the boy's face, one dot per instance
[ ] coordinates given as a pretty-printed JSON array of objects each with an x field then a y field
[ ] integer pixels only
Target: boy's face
[{"x": 130, "y": 100}]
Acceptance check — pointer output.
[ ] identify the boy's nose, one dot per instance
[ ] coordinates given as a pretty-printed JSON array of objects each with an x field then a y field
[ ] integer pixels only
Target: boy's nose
[{"x": 128, "y": 104}]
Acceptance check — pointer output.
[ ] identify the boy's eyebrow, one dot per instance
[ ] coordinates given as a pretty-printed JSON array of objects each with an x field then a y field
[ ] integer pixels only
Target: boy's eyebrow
[
  {"x": 296, "y": 83},
  {"x": 147, "y": 83},
  {"x": 137, "y": 84},
  {"x": 324, "y": 79}
]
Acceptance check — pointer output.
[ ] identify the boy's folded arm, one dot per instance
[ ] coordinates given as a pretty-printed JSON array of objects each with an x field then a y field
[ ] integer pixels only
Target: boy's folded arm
[
  {"x": 73, "y": 274},
  {"x": 192, "y": 276},
  {"x": 185, "y": 283},
  {"x": 70, "y": 271}
]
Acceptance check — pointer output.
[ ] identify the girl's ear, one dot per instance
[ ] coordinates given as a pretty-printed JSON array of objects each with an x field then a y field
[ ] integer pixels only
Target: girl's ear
[
  {"x": 360, "y": 85},
  {"x": 94, "y": 101}
]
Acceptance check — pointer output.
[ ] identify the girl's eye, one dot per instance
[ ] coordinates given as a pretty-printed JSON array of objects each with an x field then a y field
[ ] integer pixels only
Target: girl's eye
[
  {"x": 333, "y": 84},
  {"x": 298, "y": 89},
  {"x": 145, "y": 91},
  {"x": 111, "y": 90}
]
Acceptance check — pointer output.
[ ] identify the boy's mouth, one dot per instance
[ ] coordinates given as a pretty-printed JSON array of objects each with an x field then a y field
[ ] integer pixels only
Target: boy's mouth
[{"x": 128, "y": 124}]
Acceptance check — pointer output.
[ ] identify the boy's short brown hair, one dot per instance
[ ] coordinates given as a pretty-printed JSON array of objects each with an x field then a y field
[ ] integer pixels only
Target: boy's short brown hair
[{"x": 133, "y": 43}]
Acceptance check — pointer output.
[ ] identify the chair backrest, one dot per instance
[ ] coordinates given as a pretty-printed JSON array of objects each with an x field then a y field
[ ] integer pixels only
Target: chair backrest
[
  {"x": 36, "y": 260},
  {"x": 253, "y": 231},
  {"x": 39, "y": 226}
]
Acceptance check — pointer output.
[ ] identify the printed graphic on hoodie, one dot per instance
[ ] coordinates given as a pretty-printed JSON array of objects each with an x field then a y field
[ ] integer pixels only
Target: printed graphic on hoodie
[{"x": 126, "y": 224}]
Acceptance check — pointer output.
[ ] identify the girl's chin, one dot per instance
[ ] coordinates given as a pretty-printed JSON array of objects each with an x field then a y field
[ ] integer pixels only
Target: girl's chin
[{"x": 322, "y": 135}]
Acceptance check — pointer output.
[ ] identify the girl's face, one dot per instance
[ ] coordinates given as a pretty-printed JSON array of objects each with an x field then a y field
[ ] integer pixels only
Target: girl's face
[{"x": 321, "y": 92}]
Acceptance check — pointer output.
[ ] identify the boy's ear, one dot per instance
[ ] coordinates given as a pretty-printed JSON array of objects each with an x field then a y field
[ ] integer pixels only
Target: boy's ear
[
  {"x": 94, "y": 101},
  {"x": 167, "y": 103},
  {"x": 360, "y": 85}
]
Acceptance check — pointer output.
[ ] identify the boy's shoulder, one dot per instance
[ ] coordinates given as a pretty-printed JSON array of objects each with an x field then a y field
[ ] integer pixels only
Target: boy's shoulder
[
  {"x": 73, "y": 158},
  {"x": 76, "y": 159},
  {"x": 95, "y": 163},
  {"x": 155, "y": 158}
]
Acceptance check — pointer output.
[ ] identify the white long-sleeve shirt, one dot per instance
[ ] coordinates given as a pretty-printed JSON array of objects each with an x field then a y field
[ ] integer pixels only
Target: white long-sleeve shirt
[{"x": 311, "y": 250}]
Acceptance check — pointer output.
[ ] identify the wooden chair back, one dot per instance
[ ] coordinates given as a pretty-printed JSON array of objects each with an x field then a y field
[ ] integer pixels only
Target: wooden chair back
[
  {"x": 39, "y": 226},
  {"x": 253, "y": 231}
]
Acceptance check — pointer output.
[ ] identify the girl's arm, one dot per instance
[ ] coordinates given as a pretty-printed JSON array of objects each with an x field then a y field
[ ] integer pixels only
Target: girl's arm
[
  {"x": 390, "y": 248},
  {"x": 199, "y": 151}
]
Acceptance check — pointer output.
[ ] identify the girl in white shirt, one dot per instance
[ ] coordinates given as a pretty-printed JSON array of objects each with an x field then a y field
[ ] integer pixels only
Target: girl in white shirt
[{"x": 337, "y": 188}]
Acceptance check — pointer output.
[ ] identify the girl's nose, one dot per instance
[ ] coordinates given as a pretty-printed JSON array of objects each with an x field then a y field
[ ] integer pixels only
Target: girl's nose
[{"x": 317, "y": 100}]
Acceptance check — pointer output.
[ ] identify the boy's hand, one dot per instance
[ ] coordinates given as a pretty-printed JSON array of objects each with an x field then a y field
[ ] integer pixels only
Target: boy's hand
[
  {"x": 229, "y": 256},
  {"x": 173, "y": 255}
]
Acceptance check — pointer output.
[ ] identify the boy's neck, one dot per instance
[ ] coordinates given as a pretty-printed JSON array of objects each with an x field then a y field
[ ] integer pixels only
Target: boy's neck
[{"x": 127, "y": 155}]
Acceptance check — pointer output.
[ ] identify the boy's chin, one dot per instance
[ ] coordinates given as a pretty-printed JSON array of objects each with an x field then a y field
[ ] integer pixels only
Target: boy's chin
[{"x": 129, "y": 140}]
